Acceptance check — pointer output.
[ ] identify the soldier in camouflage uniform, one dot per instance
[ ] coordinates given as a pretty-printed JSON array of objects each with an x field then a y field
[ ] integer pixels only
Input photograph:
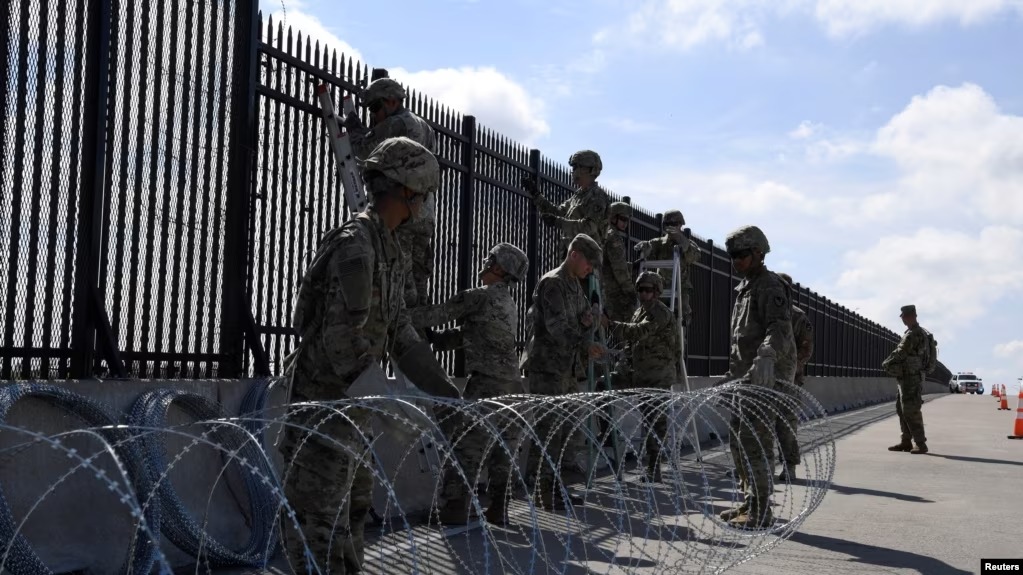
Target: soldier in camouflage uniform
[
  {"x": 389, "y": 118},
  {"x": 583, "y": 213},
  {"x": 763, "y": 351},
  {"x": 619, "y": 297},
  {"x": 906, "y": 363},
  {"x": 350, "y": 314},
  {"x": 489, "y": 325},
  {"x": 663, "y": 248},
  {"x": 786, "y": 424},
  {"x": 559, "y": 325},
  {"x": 651, "y": 359}
]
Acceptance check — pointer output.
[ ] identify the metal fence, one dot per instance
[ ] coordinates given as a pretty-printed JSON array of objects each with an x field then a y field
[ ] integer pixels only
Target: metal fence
[{"x": 165, "y": 182}]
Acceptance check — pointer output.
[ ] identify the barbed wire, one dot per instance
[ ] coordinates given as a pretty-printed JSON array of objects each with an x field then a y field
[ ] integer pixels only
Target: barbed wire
[{"x": 418, "y": 450}]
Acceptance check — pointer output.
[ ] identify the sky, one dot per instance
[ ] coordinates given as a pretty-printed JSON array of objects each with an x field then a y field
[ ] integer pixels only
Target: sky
[{"x": 878, "y": 144}]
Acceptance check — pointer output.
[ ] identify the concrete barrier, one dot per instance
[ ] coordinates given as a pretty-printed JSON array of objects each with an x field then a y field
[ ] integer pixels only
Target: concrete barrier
[{"x": 81, "y": 525}]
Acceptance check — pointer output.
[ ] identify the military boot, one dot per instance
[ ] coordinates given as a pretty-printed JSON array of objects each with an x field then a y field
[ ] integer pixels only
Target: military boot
[
  {"x": 788, "y": 473},
  {"x": 920, "y": 449},
  {"x": 734, "y": 512},
  {"x": 901, "y": 447},
  {"x": 497, "y": 512},
  {"x": 757, "y": 516},
  {"x": 653, "y": 472},
  {"x": 455, "y": 511}
]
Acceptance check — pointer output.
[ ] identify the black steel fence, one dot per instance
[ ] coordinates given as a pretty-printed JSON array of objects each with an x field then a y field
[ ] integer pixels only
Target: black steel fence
[{"x": 165, "y": 180}]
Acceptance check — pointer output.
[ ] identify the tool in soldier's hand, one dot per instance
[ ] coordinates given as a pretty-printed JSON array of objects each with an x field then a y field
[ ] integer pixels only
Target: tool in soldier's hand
[{"x": 528, "y": 183}]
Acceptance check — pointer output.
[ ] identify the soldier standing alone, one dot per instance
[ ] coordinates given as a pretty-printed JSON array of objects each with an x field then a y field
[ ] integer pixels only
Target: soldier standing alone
[{"x": 907, "y": 364}]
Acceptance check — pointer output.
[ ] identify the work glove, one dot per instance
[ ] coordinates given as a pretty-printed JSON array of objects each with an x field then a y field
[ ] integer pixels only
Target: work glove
[
  {"x": 529, "y": 185},
  {"x": 644, "y": 248},
  {"x": 762, "y": 372}
]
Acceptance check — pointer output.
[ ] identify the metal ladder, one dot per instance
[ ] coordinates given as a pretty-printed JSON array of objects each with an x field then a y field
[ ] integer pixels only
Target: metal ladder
[
  {"x": 351, "y": 178},
  {"x": 675, "y": 304},
  {"x": 599, "y": 336}
]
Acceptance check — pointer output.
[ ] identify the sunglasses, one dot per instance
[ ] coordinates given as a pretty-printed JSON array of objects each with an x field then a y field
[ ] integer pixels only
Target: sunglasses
[
  {"x": 645, "y": 289},
  {"x": 739, "y": 254}
]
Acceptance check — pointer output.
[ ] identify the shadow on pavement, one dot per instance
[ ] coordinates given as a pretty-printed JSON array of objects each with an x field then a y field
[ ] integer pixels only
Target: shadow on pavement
[
  {"x": 844, "y": 490},
  {"x": 976, "y": 459},
  {"x": 880, "y": 556}
]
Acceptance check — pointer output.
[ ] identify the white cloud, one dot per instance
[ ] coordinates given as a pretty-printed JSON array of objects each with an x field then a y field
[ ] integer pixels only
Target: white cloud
[
  {"x": 900, "y": 269},
  {"x": 849, "y": 17},
  {"x": 497, "y": 101},
  {"x": 804, "y": 130},
  {"x": 630, "y": 126},
  {"x": 682, "y": 25},
  {"x": 955, "y": 148},
  {"x": 292, "y": 14},
  {"x": 1011, "y": 349}
]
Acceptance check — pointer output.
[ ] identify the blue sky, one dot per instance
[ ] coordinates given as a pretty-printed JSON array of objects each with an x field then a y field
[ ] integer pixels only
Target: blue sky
[{"x": 879, "y": 144}]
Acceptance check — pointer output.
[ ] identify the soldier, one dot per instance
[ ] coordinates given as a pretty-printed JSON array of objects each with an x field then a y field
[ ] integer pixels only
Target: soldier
[
  {"x": 763, "y": 351},
  {"x": 663, "y": 248},
  {"x": 619, "y": 292},
  {"x": 350, "y": 316},
  {"x": 489, "y": 325},
  {"x": 651, "y": 359},
  {"x": 906, "y": 363},
  {"x": 785, "y": 426},
  {"x": 583, "y": 213},
  {"x": 389, "y": 118},
  {"x": 559, "y": 324}
]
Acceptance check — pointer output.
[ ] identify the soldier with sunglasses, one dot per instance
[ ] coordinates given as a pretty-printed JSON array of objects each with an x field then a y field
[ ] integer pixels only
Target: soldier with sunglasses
[
  {"x": 763, "y": 352},
  {"x": 663, "y": 248}
]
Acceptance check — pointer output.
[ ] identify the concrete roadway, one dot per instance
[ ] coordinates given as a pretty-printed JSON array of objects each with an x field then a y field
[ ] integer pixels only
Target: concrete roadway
[{"x": 934, "y": 514}]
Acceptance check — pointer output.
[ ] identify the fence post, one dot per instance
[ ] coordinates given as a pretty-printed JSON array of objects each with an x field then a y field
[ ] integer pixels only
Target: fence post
[
  {"x": 91, "y": 196},
  {"x": 532, "y": 231},
  {"x": 710, "y": 309},
  {"x": 235, "y": 315},
  {"x": 466, "y": 213}
]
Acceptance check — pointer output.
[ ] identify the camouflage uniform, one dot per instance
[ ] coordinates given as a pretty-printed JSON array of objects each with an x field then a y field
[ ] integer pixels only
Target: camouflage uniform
[
  {"x": 906, "y": 363},
  {"x": 583, "y": 213},
  {"x": 417, "y": 237},
  {"x": 761, "y": 328},
  {"x": 350, "y": 314},
  {"x": 663, "y": 248},
  {"x": 489, "y": 325},
  {"x": 619, "y": 297},
  {"x": 651, "y": 359},
  {"x": 555, "y": 358},
  {"x": 786, "y": 425}
]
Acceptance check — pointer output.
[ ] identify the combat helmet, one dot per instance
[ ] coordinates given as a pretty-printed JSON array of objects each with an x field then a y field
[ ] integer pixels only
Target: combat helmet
[
  {"x": 652, "y": 279},
  {"x": 382, "y": 89},
  {"x": 619, "y": 209},
  {"x": 511, "y": 259},
  {"x": 586, "y": 159},
  {"x": 407, "y": 162},
  {"x": 672, "y": 218},
  {"x": 747, "y": 237}
]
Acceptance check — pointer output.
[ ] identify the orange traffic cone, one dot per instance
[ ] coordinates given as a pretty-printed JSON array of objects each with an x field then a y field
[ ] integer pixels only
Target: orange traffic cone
[
  {"x": 1017, "y": 431},
  {"x": 1004, "y": 405},
  {"x": 995, "y": 392}
]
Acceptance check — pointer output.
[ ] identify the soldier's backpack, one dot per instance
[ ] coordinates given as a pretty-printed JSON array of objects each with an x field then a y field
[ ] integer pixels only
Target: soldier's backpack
[{"x": 931, "y": 362}]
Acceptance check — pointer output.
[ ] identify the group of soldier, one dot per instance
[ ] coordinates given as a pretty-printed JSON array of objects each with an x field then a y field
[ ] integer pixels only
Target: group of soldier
[{"x": 363, "y": 300}]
